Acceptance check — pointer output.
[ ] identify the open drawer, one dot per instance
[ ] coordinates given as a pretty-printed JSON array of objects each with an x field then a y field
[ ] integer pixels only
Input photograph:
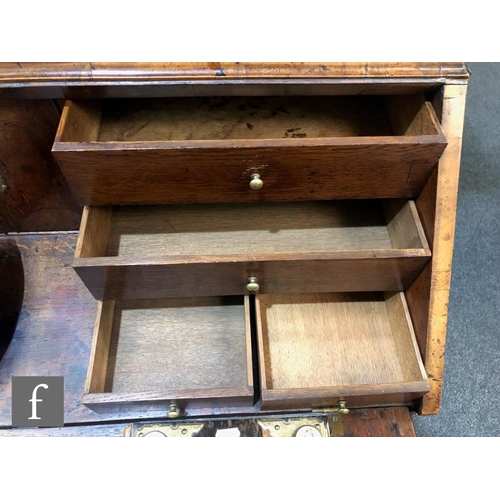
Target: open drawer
[
  {"x": 188, "y": 353},
  {"x": 316, "y": 349},
  {"x": 206, "y": 149},
  {"x": 296, "y": 247}
]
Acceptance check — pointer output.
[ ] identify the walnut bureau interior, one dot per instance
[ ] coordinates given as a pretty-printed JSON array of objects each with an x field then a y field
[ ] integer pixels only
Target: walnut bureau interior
[
  {"x": 306, "y": 202},
  {"x": 256, "y": 239}
]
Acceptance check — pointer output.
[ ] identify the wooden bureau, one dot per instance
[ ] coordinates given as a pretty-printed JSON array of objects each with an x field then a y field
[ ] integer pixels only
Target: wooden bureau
[{"x": 278, "y": 239}]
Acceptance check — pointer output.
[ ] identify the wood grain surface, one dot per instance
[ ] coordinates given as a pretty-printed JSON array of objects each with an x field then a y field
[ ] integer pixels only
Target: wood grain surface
[
  {"x": 124, "y": 278},
  {"x": 228, "y": 229},
  {"x": 390, "y": 168},
  {"x": 185, "y": 343},
  {"x": 356, "y": 396},
  {"x": 94, "y": 232},
  {"x": 37, "y": 197},
  {"x": 100, "y": 350},
  {"x": 339, "y": 339},
  {"x": 213, "y": 118},
  {"x": 444, "y": 231},
  {"x": 438, "y": 219},
  {"x": 378, "y": 422},
  {"x": 428, "y": 295}
]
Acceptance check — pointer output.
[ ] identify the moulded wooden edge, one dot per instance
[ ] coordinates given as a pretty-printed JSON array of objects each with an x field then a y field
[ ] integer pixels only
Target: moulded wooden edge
[
  {"x": 83, "y": 72},
  {"x": 436, "y": 290}
]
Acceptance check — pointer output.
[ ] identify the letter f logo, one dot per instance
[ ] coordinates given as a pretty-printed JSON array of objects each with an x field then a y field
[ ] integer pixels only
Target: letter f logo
[{"x": 34, "y": 401}]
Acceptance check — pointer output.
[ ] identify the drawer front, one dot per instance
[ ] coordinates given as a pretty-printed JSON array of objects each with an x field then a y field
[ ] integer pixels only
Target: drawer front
[
  {"x": 223, "y": 175},
  {"x": 152, "y": 280},
  {"x": 172, "y": 355}
]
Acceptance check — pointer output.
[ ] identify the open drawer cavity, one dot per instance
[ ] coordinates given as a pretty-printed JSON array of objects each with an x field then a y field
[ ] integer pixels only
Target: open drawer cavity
[
  {"x": 201, "y": 250},
  {"x": 206, "y": 149},
  {"x": 171, "y": 354},
  {"x": 316, "y": 349}
]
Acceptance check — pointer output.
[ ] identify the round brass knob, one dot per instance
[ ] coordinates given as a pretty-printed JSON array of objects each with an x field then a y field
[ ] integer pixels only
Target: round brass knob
[
  {"x": 174, "y": 411},
  {"x": 343, "y": 410},
  {"x": 256, "y": 182},
  {"x": 252, "y": 286}
]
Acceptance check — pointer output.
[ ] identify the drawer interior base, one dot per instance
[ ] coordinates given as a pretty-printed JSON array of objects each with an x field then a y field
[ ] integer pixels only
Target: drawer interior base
[
  {"x": 178, "y": 343},
  {"x": 336, "y": 339},
  {"x": 209, "y": 118},
  {"x": 251, "y": 228},
  {"x": 247, "y": 228}
]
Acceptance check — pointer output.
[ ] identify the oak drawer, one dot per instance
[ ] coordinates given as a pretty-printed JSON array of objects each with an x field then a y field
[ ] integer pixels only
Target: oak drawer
[
  {"x": 205, "y": 150},
  {"x": 316, "y": 349},
  {"x": 189, "y": 352},
  {"x": 294, "y": 247}
]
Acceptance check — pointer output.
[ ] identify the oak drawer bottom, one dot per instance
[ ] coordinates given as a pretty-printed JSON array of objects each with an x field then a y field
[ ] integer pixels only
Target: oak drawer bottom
[
  {"x": 315, "y": 349},
  {"x": 149, "y": 353}
]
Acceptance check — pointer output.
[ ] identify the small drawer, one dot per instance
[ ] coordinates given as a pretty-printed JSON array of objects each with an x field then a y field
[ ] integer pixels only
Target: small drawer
[
  {"x": 188, "y": 353},
  {"x": 207, "y": 150},
  {"x": 315, "y": 349},
  {"x": 297, "y": 247}
]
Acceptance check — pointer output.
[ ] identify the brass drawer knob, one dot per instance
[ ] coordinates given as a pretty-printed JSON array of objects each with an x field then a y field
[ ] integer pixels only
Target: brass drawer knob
[
  {"x": 174, "y": 411},
  {"x": 256, "y": 182},
  {"x": 343, "y": 410},
  {"x": 252, "y": 286}
]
